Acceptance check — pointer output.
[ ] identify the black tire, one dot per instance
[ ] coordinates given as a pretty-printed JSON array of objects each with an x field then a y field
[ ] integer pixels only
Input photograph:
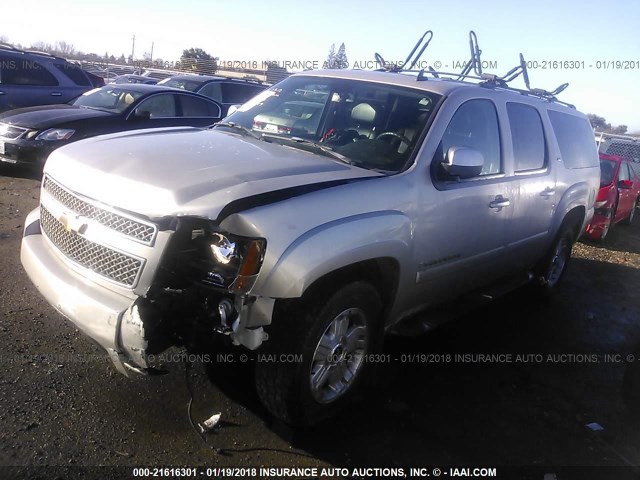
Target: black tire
[
  {"x": 304, "y": 330},
  {"x": 551, "y": 269},
  {"x": 632, "y": 214}
]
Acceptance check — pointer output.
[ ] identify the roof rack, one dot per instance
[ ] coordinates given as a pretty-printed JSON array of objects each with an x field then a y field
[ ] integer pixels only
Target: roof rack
[
  {"x": 473, "y": 65},
  {"x": 604, "y": 135}
]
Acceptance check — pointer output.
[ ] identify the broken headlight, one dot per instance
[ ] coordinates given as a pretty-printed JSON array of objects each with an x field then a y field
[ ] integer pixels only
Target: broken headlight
[{"x": 232, "y": 262}]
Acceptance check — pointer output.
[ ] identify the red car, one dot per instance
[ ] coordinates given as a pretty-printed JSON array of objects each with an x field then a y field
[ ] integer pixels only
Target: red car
[{"x": 618, "y": 196}]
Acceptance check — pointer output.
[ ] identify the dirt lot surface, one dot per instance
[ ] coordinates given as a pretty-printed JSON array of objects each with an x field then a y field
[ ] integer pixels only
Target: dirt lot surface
[{"x": 513, "y": 384}]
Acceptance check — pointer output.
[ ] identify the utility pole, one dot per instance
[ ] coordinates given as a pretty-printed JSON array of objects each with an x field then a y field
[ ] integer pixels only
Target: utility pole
[
  {"x": 133, "y": 47},
  {"x": 151, "y": 57}
]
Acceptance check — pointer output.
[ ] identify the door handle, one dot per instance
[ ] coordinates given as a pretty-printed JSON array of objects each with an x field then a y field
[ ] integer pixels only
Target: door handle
[
  {"x": 499, "y": 203},
  {"x": 56, "y": 94},
  {"x": 548, "y": 192}
]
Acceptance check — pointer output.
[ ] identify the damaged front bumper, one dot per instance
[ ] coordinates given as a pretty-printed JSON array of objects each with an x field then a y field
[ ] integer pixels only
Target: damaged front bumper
[
  {"x": 95, "y": 310},
  {"x": 118, "y": 322}
]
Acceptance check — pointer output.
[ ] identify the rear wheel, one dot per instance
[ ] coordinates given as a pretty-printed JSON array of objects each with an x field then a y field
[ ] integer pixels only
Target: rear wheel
[
  {"x": 317, "y": 354},
  {"x": 553, "y": 266}
]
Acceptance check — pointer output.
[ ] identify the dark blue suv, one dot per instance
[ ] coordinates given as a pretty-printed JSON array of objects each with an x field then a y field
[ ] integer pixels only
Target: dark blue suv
[{"x": 30, "y": 78}]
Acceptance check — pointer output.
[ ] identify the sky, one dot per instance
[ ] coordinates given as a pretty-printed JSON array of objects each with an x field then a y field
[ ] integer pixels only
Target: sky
[{"x": 600, "y": 38}]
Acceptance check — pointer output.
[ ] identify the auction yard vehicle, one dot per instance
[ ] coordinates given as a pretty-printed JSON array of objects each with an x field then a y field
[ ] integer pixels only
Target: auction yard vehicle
[
  {"x": 618, "y": 197},
  {"x": 312, "y": 241}
]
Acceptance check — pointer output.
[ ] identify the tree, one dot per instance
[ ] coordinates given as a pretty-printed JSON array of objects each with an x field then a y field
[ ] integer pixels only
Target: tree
[
  {"x": 4, "y": 39},
  {"x": 600, "y": 124},
  {"x": 341, "y": 60},
  {"x": 331, "y": 58},
  {"x": 196, "y": 59},
  {"x": 42, "y": 47},
  {"x": 65, "y": 49}
]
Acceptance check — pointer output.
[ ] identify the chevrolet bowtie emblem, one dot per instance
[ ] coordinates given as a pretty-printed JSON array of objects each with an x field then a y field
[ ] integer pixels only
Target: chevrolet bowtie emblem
[{"x": 73, "y": 223}]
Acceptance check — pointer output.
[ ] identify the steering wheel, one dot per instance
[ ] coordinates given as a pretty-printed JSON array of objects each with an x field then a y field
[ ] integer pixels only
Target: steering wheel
[{"x": 402, "y": 138}]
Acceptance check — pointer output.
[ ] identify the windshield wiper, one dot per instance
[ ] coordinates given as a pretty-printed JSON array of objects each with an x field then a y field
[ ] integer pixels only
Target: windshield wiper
[
  {"x": 246, "y": 131},
  {"x": 303, "y": 143}
]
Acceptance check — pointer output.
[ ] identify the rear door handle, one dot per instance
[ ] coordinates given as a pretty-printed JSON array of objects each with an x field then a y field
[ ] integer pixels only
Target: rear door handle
[
  {"x": 499, "y": 203},
  {"x": 547, "y": 192},
  {"x": 56, "y": 94}
]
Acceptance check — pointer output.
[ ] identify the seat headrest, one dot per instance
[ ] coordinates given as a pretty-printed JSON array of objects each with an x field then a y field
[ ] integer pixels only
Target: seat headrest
[{"x": 363, "y": 112}]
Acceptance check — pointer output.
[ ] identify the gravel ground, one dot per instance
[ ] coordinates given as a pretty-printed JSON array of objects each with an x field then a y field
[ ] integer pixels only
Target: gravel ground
[{"x": 64, "y": 405}]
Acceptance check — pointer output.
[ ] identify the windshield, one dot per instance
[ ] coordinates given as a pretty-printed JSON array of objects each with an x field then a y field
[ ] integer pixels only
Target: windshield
[
  {"x": 607, "y": 170},
  {"x": 374, "y": 126},
  {"x": 108, "y": 99}
]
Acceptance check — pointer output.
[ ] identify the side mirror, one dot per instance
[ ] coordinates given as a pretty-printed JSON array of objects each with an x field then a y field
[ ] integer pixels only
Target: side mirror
[
  {"x": 233, "y": 109},
  {"x": 463, "y": 162},
  {"x": 625, "y": 184},
  {"x": 140, "y": 114}
]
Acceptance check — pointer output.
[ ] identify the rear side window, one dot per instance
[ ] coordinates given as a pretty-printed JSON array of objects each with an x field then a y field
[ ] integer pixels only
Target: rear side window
[
  {"x": 198, "y": 107},
  {"x": 25, "y": 72},
  {"x": 527, "y": 134},
  {"x": 238, "y": 92},
  {"x": 76, "y": 75},
  {"x": 575, "y": 139}
]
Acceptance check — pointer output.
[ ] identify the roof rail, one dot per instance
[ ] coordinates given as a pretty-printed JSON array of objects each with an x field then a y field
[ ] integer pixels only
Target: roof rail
[{"x": 472, "y": 70}]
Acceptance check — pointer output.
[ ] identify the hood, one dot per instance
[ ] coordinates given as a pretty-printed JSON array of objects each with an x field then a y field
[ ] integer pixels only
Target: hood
[
  {"x": 187, "y": 171},
  {"x": 49, "y": 116}
]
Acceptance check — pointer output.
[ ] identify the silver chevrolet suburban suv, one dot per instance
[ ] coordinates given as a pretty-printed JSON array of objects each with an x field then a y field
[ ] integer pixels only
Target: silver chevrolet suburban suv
[{"x": 320, "y": 215}]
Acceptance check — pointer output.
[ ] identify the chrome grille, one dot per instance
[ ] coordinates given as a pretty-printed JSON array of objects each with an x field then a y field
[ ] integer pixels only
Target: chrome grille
[
  {"x": 11, "y": 131},
  {"x": 127, "y": 226},
  {"x": 115, "y": 266}
]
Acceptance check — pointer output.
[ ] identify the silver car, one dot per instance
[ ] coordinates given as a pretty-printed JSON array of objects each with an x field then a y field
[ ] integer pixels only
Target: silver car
[{"x": 322, "y": 214}]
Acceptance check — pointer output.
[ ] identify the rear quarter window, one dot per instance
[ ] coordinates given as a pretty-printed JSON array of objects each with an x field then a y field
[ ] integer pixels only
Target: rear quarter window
[{"x": 575, "y": 139}]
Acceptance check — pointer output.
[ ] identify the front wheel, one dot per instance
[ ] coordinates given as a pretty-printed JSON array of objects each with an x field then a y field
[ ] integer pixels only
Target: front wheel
[
  {"x": 553, "y": 266},
  {"x": 317, "y": 355}
]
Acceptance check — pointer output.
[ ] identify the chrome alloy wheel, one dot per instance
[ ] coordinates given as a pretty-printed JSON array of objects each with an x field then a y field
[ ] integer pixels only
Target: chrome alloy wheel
[{"x": 338, "y": 356}]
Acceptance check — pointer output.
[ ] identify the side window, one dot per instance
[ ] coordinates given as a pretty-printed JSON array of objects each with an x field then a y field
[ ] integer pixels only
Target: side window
[
  {"x": 198, "y": 107},
  {"x": 575, "y": 139},
  {"x": 159, "y": 106},
  {"x": 74, "y": 73},
  {"x": 212, "y": 90},
  {"x": 25, "y": 72},
  {"x": 527, "y": 134},
  {"x": 475, "y": 125},
  {"x": 236, "y": 92},
  {"x": 624, "y": 172}
]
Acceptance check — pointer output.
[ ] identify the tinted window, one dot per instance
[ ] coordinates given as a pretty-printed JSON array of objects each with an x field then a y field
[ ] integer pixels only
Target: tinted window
[
  {"x": 74, "y": 73},
  {"x": 575, "y": 139},
  {"x": 25, "y": 72},
  {"x": 198, "y": 107},
  {"x": 212, "y": 90},
  {"x": 159, "y": 106},
  {"x": 528, "y": 137},
  {"x": 475, "y": 125},
  {"x": 238, "y": 92}
]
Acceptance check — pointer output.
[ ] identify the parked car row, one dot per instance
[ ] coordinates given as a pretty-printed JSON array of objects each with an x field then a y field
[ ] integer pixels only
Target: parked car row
[{"x": 60, "y": 104}]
